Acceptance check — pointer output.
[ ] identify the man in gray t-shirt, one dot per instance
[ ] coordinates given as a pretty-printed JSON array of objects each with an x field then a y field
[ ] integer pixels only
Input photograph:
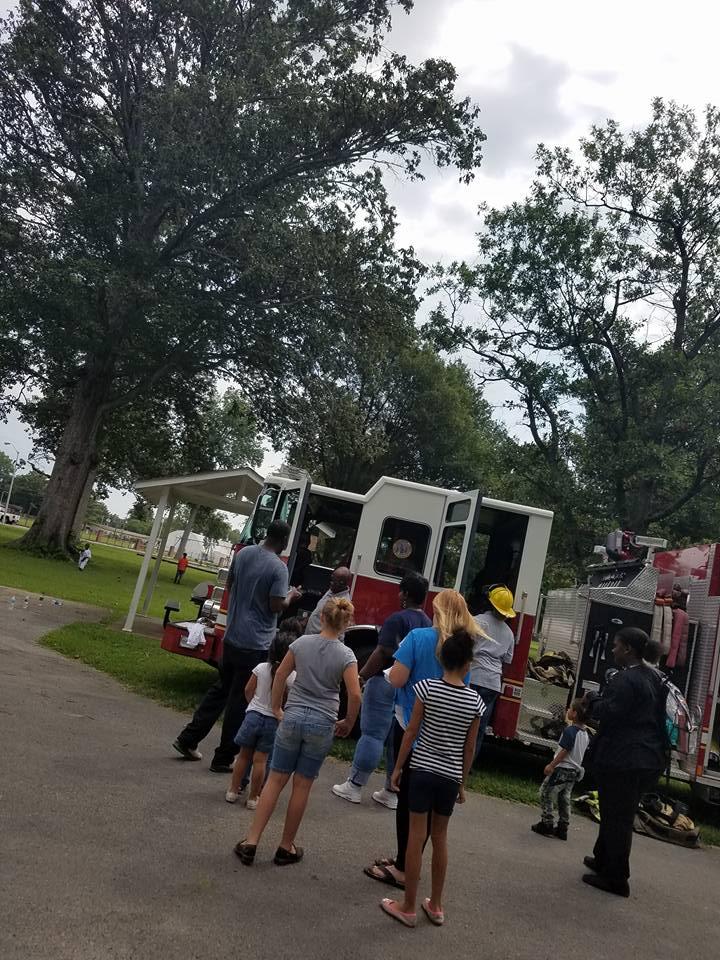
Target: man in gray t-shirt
[
  {"x": 258, "y": 589},
  {"x": 256, "y": 576}
]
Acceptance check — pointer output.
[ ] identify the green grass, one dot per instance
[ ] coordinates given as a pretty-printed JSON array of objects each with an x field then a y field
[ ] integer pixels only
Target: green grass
[
  {"x": 138, "y": 663},
  {"x": 108, "y": 581},
  {"x": 509, "y": 771}
]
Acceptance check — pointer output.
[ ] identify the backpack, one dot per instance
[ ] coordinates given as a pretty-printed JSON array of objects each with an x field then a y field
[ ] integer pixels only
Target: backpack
[{"x": 681, "y": 726}]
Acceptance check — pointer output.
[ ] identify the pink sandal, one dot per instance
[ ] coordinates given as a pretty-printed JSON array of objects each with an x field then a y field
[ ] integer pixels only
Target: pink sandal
[
  {"x": 392, "y": 909},
  {"x": 436, "y": 917}
]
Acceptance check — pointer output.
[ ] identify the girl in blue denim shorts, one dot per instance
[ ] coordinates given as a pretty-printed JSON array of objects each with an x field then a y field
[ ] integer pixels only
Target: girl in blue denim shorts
[
  {"x": 307, "y": 726},
  {"x": 256, "y": 735}
]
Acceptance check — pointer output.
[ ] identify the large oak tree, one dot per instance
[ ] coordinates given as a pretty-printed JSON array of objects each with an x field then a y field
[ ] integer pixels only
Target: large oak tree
[{"x": 192, "y": 186}]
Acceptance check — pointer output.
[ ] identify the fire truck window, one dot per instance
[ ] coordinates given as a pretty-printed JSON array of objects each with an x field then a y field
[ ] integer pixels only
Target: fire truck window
[
  {"x": 288, "y": 506},
  {"x": 449, "y": 562},
  {"x": 458, "y": 511},
  {"x": 334, "y": 523},
  {"x": 264, "y": 510},
  {"x": 402, "y": 548},
  {"x": 496, "y": 552}
]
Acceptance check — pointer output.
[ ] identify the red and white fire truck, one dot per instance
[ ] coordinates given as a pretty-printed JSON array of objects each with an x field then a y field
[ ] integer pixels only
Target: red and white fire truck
[
  {"x": 466, "y": 541},
  {"x": 581, "y": 622},
  {"x": 455, "y": 539}
]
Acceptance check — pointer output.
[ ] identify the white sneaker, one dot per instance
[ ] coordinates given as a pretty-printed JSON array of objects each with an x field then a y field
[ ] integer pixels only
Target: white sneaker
[
  {"x": 251, "y": 803},
  {"x": 232, "y": 796},
  {"x": 348, "y": 791},
  {"x": 386, "y": 798}
]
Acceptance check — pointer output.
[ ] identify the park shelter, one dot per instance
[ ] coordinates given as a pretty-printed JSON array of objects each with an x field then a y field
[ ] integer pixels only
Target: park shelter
[{"x": 233, "y": 491}]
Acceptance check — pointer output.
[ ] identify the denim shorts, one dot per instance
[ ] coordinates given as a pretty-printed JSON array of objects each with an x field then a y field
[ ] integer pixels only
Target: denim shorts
[
  {"x": 302, "y": 742},
  {"x": 431, "y": 793},
  {"x": 257, "y": 732}
]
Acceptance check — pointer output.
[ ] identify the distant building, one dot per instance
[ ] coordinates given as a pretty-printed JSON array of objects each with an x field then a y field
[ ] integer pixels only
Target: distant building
[{"x": 218, "y": 553}]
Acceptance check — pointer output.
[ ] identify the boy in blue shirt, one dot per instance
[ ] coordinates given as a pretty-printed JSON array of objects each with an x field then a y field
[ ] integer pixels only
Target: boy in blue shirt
[{"x": 562, "y": 773}]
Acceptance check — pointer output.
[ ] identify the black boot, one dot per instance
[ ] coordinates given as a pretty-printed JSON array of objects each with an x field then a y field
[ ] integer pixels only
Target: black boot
[
  {"x": 561, "y": 831},
  {"x": 620, "y": 888},
  {"x": 544, "y": 829}
]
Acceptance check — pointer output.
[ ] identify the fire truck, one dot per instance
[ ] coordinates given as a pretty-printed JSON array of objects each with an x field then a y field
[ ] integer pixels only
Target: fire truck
[
  {"x": 455, "y": 539},
  {"x": 581, "y": 623}
]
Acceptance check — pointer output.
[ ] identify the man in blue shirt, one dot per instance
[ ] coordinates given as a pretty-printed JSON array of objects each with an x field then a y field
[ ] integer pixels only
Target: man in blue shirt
[
  {"x": 258, "y": 588},
  {"x": 379, "y": 696}
]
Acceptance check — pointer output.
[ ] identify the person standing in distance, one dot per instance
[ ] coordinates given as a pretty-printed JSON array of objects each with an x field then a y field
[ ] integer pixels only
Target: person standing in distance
[
  {"x": 182, "y": 566},
  {"x": 258, "y": 587},
  {"x": 490, "y": 652}
]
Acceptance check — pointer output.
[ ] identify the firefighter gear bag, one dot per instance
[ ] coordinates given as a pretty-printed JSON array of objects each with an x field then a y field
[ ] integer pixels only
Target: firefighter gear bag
[{"x": 657, "y": 817}]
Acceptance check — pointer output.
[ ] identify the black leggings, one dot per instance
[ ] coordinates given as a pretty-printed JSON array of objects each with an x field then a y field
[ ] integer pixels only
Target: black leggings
[{"x": 402, "y": 814}]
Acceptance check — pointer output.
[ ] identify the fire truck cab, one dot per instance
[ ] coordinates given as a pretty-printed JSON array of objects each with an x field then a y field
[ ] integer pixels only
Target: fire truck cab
[{"x": 454, "y": 539}]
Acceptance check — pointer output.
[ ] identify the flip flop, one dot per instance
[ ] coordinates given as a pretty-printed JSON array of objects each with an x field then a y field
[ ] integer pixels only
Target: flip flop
[
  {"x": 383, "y": 875},
  {"x": 392, "y": 909},
  {"x": 436, "y": 917}
]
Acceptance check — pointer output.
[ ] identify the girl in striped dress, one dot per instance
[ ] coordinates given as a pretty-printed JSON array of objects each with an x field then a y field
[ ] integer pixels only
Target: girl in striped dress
[{"x": 444, "y": 722}]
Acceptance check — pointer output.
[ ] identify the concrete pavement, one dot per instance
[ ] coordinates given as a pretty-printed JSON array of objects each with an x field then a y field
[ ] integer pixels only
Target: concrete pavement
[{"x": 110, "y": 847}]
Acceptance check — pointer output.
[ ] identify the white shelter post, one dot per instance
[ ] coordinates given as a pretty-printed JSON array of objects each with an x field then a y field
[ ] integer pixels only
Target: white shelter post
[
  {"x": 130, "y": 619},
  {"x": 158, "y": 562}
]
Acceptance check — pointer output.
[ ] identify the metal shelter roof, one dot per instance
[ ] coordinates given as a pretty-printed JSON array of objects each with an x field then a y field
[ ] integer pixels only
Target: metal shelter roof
[{"x": 232, "y": 490}]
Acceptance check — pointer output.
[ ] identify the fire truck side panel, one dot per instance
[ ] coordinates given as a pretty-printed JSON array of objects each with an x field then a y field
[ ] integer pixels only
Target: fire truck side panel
[{"x": 398, "y": 533}]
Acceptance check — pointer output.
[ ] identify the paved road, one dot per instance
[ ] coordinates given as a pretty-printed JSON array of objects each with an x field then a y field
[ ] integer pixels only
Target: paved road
[{"x": 112, "y": 848}]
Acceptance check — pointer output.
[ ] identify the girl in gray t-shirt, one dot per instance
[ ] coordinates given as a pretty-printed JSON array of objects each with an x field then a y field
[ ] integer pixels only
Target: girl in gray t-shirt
[{"x": 307, "y": 726}]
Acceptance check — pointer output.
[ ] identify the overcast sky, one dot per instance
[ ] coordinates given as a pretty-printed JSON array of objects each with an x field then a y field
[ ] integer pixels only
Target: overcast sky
[{"x": 540, "y": 71}]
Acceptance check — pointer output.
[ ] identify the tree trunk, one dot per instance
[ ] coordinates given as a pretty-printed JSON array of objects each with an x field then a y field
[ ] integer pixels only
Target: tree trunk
[
  {"x": 81, "y": 512},
  {"x": 75, "y": 459}
]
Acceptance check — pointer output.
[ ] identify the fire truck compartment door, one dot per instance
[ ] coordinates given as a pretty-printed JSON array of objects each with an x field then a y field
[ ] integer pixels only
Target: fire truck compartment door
[{"x": 452, "y": 564}]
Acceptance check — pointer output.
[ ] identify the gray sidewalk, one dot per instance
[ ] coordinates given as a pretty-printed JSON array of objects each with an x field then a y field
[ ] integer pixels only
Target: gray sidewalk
[{"x": 112, "y": 848}]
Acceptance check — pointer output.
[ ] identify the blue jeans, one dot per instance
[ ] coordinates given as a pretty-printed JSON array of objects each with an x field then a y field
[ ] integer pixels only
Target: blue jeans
[
  {"x": 302, "y": 742},
  {"x": 489, "y": 699},
  {"x": 375, "y": 722}
]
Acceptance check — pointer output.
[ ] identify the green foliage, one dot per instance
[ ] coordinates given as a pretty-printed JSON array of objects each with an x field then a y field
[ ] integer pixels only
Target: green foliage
[
  {"x": 6, "y": 469},
  {"x": 392, "y": 411},
  {"x": 180, "y": 199},
  {"x": 599, "y": 309}
]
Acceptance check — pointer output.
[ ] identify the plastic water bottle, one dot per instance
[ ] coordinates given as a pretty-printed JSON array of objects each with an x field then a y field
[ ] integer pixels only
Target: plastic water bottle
[{"x": 11, "y": 602}]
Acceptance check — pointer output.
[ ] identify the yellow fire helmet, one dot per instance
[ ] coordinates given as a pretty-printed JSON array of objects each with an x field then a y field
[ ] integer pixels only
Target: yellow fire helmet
[{"x": 502, "y": 599}]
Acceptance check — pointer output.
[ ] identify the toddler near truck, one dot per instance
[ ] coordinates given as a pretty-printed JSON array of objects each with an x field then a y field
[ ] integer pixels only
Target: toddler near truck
[
  {"x": 562, "y": 773},
  {"x": 256, "y": 736}
]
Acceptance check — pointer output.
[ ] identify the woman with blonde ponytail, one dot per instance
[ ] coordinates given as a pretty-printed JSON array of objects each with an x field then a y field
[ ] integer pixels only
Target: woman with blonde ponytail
[{"x": 416, "y": 659}]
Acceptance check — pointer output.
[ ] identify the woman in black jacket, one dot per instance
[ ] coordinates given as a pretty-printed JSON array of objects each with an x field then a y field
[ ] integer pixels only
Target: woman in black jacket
[{"x": 628, "y": 756}]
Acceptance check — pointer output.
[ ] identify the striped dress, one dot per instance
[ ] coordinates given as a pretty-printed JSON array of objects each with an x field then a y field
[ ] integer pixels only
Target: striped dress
[{"x": 448, "y": 714}]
